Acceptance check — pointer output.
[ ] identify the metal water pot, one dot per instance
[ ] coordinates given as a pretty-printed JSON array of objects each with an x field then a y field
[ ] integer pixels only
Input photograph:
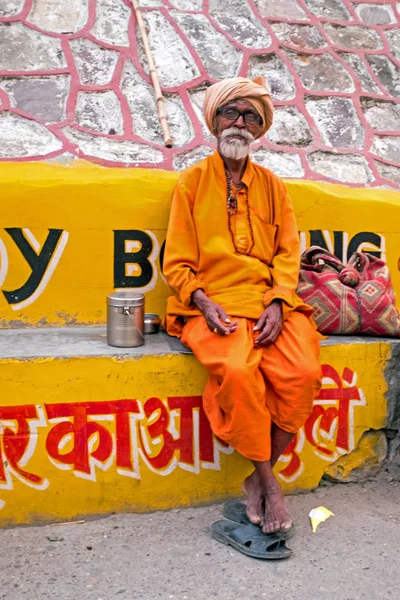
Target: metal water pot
[{"x": 125, "y": 319}]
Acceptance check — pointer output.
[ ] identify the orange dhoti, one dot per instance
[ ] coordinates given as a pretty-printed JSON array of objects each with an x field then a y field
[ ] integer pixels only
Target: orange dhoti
[{"x": 250, "y": 388}]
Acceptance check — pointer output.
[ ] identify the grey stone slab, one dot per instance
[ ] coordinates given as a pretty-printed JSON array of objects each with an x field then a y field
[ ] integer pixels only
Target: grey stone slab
[
  {"x": 273, "y": 68},
  {"x": 190, "y": 157},
  {"x": 353, "y": 36},
  {"x": 375, "y": 14},
  {"x": 121, "y": 151},
  {"x": 220, "y": 58},
  {"x": 387, "y": 72},
  {"x": 283, "y": 164},
  {"x": 360, "y": 70},
  {"x": 111, "y": 26},
  {"x": 337, "y": 121},
  {"x": 44, "y": 98},
  {"x": 384, "y": 116},
  {"x": 347, "y": 168},
  {"x": 100, "y": 111},
  {"x": 67, "y": 342},
  {"x": 10, "y": 8},
  {"x": 280, "y": 9},
  {"x": 301, "y": 36},
  {"x": 174, "y": 63},
  {"x": 23, "y": 138},
  {"x": 238, "y": 20},
  {"x": 94, "y": 63},
  {"x": 387, "y": 147},
  {"x": 24, "y": 49},
  {"x": 289, "y": 128},
  {"x": 59, "y": 16}
]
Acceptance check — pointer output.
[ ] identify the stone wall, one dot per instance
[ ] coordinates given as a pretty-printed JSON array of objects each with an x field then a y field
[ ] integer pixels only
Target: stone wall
[{"x": 74, "y": 82}]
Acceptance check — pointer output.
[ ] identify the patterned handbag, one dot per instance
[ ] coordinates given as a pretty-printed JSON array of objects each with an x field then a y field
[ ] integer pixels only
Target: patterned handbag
[{"x": 357, "y": 298}]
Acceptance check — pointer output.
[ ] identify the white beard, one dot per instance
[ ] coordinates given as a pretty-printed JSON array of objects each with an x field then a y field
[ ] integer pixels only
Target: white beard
[{"x": 235, "y": 147}]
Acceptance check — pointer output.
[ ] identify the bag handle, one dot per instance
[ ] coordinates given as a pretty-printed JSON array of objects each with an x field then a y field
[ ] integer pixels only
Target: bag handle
[{"x": 316, "y": 257}]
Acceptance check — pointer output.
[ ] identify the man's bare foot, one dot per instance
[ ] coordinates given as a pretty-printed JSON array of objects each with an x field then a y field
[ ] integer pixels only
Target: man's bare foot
[
  {"x": 252, "y": 489},
  {"x": 277, "y": 517}
]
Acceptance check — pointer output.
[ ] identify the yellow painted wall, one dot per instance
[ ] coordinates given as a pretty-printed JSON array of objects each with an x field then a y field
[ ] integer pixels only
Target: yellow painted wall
[
  {"x": 86, "y": 205},
  {"x": 64, "y": 425}
]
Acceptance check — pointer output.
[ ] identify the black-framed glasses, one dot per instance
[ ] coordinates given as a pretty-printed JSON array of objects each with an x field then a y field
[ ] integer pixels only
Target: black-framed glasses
[{"x": 232, "y": 114}]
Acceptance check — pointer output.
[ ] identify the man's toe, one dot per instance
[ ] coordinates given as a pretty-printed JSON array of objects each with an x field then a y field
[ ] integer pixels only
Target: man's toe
[
  {"x": 286, "y": 526},
  {"x": 272, "y": 527},
  {"x": 253, "y": 518}
]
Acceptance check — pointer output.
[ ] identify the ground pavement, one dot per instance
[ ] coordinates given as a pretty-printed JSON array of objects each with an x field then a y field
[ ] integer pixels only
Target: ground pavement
[{"x": 170, "y": 555}]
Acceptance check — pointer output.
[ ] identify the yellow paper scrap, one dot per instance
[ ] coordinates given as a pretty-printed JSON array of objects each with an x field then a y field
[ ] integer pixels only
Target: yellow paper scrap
[{"x": 318, "y": 515}]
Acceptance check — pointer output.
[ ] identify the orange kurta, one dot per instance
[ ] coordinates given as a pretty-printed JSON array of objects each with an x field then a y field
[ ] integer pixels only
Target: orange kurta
[
  {"x": 199, "y": 252},
  {"x": 248, "y": 387}
]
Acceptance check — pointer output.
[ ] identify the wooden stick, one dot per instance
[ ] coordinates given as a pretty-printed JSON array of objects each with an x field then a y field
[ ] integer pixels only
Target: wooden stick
[{"x": 154, "y": 76}]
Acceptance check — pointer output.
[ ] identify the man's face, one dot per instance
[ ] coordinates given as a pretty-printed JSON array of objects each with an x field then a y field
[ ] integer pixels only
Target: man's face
[{"x": 235, "y": 132}]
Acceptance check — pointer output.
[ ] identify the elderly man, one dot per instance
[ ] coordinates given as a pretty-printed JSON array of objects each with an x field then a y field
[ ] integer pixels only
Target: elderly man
[{"x": 232, "y": 259}]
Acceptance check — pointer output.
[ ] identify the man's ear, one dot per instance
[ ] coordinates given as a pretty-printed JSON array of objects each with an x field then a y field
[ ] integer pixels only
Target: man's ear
[{"x": 215, "y": 124}]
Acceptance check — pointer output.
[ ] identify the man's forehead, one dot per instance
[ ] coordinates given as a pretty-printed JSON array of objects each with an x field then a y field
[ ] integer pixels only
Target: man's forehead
[{"x": 240, "y": 103}]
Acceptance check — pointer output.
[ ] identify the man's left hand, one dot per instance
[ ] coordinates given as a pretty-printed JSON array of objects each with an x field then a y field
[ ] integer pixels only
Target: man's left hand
[{"x": 269, "y": 325}]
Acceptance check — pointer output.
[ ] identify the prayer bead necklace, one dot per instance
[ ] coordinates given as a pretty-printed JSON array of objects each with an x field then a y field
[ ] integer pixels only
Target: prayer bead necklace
[{"x": 231, "y": 201}]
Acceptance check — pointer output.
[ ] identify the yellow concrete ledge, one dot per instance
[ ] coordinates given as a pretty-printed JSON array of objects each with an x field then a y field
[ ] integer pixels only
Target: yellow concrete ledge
[
  {"x": 69, "y": 235},
  {"x": 97, "y": 434}
]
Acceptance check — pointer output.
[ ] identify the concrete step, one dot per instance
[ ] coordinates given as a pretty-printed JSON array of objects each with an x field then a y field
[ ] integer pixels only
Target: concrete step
[{"x": 91, "y": 429}]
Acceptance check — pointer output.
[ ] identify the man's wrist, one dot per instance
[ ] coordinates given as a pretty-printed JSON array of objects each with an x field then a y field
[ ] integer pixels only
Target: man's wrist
[{"x": 199, "y": 298}]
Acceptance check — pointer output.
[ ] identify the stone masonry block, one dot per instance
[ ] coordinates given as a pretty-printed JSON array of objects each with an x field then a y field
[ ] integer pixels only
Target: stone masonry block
[
  {"x": 236, "y": 18},
  {"x": 59, "y": 16},
  {"x": 280, "y": 9},
  {"x": 95, "y": 64},
  {"x": 283, "y": 164},
  {"x": 275, "y": 71},
  {"x": 143, "y": 107},
  {"x": 290, "y": 127},
  {"x": 321, "y": 72},
  {"x": 384, "y": 116},
  {"x": 190, "y": 157},
  {"x": 187, "y": 4},
  {"x": 113, "y": 151},
  {"x": 100, "y": 111},
  {"x": 23, "y": 49},
  {"x": 44, "y": 98},
  {"x": 387, "y": 147},
  {"x": 356, "y": 63},
  {"x": 220, "y": 58},
  {"x": 301, "y": 36},
  {"x": 387, "y": 72},
  {"x": 375, "y": 14},
  {"x": 10, "y": 8},
  {"x": 393, "y": 38},
  {"x": 337, "y": 121},
  {"x": 197, "y": 96},
  {"x": 347, "y": 168},
  {"x": 174, "y": 63},
  {"x": 392, "y": 174},
  {"x": 111, "y": 26},
  {"x": 329, "y": 9},
  {"x": 352, "y": 36},
  {"x": 23, "y": 138}
]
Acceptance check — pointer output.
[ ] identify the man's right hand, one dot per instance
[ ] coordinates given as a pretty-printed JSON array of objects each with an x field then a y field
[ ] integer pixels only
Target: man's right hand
[{"x": 217, "y": 319}]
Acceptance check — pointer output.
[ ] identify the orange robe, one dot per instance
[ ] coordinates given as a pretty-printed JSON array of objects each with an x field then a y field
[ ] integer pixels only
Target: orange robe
[{"x": 199, "y": 254}]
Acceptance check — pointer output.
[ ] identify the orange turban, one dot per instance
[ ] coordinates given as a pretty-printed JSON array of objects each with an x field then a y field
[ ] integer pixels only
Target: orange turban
[{"x": 256, "y": 92}]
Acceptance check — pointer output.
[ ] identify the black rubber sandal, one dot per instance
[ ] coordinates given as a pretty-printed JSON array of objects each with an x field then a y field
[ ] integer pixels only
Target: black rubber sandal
[
  {"x": 236, "y": 511},
  {"x": 250, "y": 540}
]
